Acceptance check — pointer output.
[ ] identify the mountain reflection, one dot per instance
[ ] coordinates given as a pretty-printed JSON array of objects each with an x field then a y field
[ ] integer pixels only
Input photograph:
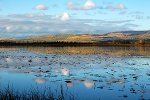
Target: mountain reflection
[
  {"x": 103, "y": 50},
  {"x": 111, "y": 51}
]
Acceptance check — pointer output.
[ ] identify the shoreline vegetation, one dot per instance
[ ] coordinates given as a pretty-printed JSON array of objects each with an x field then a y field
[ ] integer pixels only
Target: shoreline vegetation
[{"x": 14, "y": 43}]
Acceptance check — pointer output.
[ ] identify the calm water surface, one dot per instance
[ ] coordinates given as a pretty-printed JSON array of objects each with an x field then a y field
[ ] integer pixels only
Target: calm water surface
[{"x": 87, "y": 73}]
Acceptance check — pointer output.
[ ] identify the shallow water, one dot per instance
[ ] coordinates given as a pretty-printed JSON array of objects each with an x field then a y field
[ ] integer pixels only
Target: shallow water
[{"x": 88, "y": 73}]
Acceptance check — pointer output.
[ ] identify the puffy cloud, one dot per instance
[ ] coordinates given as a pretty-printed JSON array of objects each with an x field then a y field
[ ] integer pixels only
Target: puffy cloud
[
  {"x": 41, "y": 7},
  {"x": 65, "y": 17},
  {"x": 89, "y": 4}
]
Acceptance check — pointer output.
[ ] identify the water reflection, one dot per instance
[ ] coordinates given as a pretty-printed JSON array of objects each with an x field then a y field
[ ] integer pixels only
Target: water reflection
[
  {"x": 112, "y": 51},
  {"x": 117, "y": 81},
  {"x": 65, "y": 71},
  {"x": 9, "y": 60},
  {"x": 121, "y": 72},
  {"x": 103, "y": 50},
  {"x": 88, "y": 83},
  {"x": 69, "y": 83},
  {"x": 40, "y": 80}
]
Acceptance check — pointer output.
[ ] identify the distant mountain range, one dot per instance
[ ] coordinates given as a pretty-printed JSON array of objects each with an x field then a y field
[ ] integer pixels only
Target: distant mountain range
[
  {"x": 122, "y": 37},
  {"x": 132, "y": 33}
]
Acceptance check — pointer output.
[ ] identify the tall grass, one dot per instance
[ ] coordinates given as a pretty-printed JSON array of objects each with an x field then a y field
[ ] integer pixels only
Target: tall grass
[{"x": 10, "y": 93}]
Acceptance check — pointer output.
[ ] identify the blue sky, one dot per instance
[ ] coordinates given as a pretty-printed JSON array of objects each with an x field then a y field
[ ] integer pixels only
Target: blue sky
[{"x": 37, "y": 17}]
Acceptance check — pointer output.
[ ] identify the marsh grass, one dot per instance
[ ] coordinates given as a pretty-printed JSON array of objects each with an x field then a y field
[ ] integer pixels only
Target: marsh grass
[{"x": 10, "y": 93}]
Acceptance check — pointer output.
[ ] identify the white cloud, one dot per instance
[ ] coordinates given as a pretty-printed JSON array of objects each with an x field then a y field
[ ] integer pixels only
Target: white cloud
[
  {"x": 38, "y": 25},
  {"x": 65, "y": 17},
  {"x": 88, "y": 5},
  {"x": 41, "y": 7}
]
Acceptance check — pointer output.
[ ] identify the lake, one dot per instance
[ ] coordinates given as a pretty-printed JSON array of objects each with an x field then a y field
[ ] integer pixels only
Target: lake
[{"x": 78, "y": 73}]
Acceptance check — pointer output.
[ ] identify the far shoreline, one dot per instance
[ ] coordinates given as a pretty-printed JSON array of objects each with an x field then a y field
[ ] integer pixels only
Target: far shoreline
[{"x": 68, "y": 44}]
